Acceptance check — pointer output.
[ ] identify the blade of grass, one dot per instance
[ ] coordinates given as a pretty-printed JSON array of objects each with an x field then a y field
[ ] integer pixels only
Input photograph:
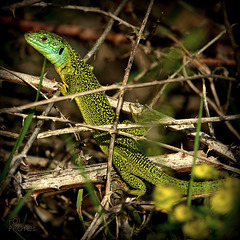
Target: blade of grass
[
  {"x": 24, "y": 129},
  {"x": 79, "y": 206},
  {"x": 196, "y": 146}
]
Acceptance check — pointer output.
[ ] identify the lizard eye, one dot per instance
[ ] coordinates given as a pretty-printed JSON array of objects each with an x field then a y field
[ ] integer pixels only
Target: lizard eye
[
  {"x": 44, "y": 38},
  {"x": 61, "y": 51}
]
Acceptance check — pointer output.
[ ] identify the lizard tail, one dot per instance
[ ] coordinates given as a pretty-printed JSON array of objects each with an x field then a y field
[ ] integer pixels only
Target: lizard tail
[{"x": 198, "y": 187}]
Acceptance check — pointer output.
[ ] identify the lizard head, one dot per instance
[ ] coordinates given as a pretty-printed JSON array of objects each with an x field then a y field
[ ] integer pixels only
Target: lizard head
[{"x": 52, "y": 46}]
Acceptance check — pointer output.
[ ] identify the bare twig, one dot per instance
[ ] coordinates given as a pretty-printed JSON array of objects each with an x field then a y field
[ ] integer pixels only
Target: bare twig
[
  {"x": 70, "y": 177},
  {"x": 24, "y": 3},
  {"x": 89, "y": 233},
  {"x": 91, "y": 9},
  {"x": 122, "y": 91},
  {"x": 112, "y": 87},
  {"x": 26, "y": 79},
  {"x": 210, "y": 126},
  {"x": 105, "y": 33},
  {"x": 80, "y": 127}
]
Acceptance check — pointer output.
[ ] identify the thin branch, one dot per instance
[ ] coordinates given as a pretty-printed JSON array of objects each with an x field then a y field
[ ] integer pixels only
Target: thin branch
[
  {"x": 23, "y": 3},
  {"x": 204, "y": 95},
  {"x": 118, "y": 109},
  {"x": 212, "y": 144},
  {"x": 112, "y": 87},
  {"x": 26, "y": 79},
  {"x": 91, "y": 9},
  {"x": 105, "y": 33},
  {"x": 163, "y": 121},
  {"x": 81, "y": 127},
  {"x": 122, "y": 91}
]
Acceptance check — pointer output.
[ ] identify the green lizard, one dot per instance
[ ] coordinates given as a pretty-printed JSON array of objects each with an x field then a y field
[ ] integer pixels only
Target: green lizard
[{"x": 77, "y": 76}]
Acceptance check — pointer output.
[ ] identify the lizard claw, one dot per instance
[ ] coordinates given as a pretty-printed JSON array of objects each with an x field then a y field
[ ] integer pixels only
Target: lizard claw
[{"x": 63, "y": 88}]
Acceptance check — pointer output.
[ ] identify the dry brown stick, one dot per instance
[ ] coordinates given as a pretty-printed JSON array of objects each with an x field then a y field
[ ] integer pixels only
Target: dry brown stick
[
  {"x": 89, "y": 233},
  {"x": 20, "y": 78},
  {"x": 111, "y": 87},
  {"x": 177, "y": 125},
  {"x": 122, "y": 91},
  {"x": 105, "y": 33},
  {"x": 80, "y": 127},
  {"x": 23, "y": 79},
  {"x": 24, "y": 3},
  {"x": 51, "y": 85},
  {"x": 26, "y": 79},
  {"x": 91, "y": 9},
  {"x": 59, "y": 179},
  {"x": 137, "y": 109}
]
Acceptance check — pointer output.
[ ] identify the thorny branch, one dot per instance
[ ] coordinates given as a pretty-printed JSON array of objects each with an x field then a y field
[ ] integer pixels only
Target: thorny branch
[
  {"x": 94, "y": 10},
  {"x": 112, "y": 87}
]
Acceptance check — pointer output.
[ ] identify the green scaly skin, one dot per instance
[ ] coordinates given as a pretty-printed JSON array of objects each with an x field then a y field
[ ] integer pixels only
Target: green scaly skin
[{"x": 77, "y": 76}]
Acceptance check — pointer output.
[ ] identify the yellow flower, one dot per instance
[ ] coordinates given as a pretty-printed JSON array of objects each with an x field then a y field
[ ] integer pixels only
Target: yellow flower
[
  {"x": 166, "y": 197},
  {"x": 196, "y": 229},
  {"x": 182, "y": 213},
  {"x": 205, "y": 171},
  {"x": 222, "y": 202}
]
